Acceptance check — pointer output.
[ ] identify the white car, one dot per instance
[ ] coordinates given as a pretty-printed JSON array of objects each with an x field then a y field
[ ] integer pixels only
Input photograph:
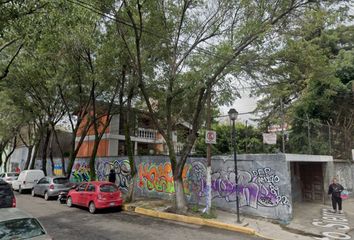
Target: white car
[
  {"x": 17, "y": 224},
  {"x": 9, "y": 177},
  {"x": 27, "y": 179}
]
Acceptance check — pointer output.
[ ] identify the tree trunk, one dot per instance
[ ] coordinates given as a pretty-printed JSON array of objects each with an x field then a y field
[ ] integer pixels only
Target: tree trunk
[
  {"x": 35, "y": 152},
  {"x": 93, "y": 160},
  {"x": 44, "y": 151},
  {"x": 29, "y": 157},
  {"x": 51, "y": 153},
  {"x": 61, "y": 152},
  {"x": 129, "y": 147},
  {"x": 181, "y": 203}
]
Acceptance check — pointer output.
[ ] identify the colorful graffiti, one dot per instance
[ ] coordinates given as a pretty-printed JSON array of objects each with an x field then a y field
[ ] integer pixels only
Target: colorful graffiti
[
  {"x": 122, "y": 170},
  {"x": 159, "y": 177},
  {"x": 255, "y": 188},
  {"x": 58, "y": 171},
  {"x": 81, "y": 171}
]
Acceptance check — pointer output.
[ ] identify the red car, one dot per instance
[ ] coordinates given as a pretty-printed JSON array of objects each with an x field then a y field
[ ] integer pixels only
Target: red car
[{"x": 95, "y": 195}]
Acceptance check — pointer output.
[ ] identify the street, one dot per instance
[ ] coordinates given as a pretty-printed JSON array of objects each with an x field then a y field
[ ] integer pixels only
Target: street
[{"x": 62, "y": 222}]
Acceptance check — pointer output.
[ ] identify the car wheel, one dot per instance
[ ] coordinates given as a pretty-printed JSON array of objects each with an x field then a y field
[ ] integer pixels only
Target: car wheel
[
  {"x": 46, "y": 196},
  {"x": 33, "y": 193},
  {"x": 92, "y": 207},
  {"x": 69, "y": 202},
  {"x": 19, "y": 189}
]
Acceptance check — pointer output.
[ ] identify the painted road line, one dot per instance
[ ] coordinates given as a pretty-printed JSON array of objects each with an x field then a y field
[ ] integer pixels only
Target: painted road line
[{"x": 336, "y": 226}]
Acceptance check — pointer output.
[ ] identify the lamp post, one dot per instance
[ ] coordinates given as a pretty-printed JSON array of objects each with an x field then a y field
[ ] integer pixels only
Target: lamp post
[{"x": 233, "y": 116}]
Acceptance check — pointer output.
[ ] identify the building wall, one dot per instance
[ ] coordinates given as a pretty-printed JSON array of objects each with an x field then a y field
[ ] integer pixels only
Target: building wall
[
  {"x": 264, "y": 181},
  {"x": 344, "y": 171}
]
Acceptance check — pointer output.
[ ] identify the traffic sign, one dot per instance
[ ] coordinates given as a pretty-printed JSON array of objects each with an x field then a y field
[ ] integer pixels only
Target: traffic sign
[{"x": 210, "y": 137}]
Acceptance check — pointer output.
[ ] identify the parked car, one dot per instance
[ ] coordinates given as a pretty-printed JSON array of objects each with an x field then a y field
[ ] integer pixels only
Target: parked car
[
  {"x": 63, "y": 195},
  {"x": 7, "y": 197},
  {"x": 95, "y": 195},
  {"x": 27, "y": 179},
  {"x": 9, "y": 177},
  {"x": 17, "y": 224},
  {"x": 51, "y": 187}
]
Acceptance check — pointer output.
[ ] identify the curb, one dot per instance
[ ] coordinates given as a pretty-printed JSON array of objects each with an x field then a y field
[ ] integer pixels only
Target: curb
[{"x": 192, "y": 220}]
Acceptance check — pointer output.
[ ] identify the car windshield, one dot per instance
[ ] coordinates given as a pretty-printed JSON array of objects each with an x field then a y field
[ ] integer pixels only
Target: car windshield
[
  {"x": 12, "y": 174},
  {"x": 60, "y": 180},
  {"x": 108, "y": 188},
  {"x": 23, "y": 228}
]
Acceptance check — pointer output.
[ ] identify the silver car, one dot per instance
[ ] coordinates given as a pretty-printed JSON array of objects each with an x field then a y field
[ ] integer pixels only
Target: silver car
[
  {"x": 9, "y": 177},
  {"x": 49, "y": 187},
  {"x": 17, "y": 224}
]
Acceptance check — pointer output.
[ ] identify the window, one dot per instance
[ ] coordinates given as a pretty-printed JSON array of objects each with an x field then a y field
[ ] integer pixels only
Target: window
[
  {"x": 108, "y": 188},
  {"x": 22, "y": 228},
  {"x": 42, "y": 181},
  {"x": 82, "y": 187},
  {"x": 91, "y": 188},
  {"x": 60, "y": 180},
  {"x": 12, "y": 174}
]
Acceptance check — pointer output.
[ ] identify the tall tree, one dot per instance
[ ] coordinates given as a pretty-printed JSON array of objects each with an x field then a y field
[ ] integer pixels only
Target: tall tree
[{"x": 180, "y": 50}]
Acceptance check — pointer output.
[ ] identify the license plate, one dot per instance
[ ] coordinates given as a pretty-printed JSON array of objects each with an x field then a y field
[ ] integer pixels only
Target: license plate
[{"x": 112, "y": 204}]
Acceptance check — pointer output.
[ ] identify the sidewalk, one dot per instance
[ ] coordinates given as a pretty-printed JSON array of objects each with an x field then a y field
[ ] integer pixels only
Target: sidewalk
[{"x": 301, "y": 227}]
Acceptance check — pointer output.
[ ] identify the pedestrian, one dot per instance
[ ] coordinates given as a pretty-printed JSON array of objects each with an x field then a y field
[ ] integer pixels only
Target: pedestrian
[
  {"x": 335, "y": 190},
  {"x": 112, "y": 176}
]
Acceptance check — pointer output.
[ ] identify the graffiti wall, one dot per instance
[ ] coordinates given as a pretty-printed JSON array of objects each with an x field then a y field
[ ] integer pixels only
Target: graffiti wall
[{"x": 263, "y": 182}]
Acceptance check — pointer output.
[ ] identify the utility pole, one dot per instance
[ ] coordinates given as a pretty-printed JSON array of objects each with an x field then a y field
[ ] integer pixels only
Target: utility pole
[
  {"x": 329, "y": 138},
  {"x": 208, "y": 177},
  {"x": 246, "y": 137},
  {"x": 282, "y": 124},
  {"x": 308, "y": 134}
]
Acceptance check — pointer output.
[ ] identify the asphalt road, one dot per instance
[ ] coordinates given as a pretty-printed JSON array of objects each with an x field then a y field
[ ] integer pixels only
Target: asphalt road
[{"x": 74, "y": 223}]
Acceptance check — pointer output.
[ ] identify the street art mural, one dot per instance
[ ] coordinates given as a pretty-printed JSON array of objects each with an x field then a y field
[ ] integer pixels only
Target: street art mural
[
  {"x": 121, "y": 168},
  {"x": 81, "y": 171},
  {"x": 258, "y": 187},
  {"x": 159, "y": 177}
]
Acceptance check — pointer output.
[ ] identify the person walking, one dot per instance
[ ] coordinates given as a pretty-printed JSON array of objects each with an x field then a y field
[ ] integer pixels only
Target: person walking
[
  {"x": 112, "y": 176},
  {"x": 334, "y": 190}
]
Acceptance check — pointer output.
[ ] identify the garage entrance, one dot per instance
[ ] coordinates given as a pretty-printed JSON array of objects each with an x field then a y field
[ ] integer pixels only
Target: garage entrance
[{"x": 307, "y": 181}]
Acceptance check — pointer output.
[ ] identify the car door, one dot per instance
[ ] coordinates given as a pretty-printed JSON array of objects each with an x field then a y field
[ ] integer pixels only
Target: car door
[
  {"x": 79, "y": 194},
  {"x": 89, "y": 194},
  {"x": 38, "y": 187}
]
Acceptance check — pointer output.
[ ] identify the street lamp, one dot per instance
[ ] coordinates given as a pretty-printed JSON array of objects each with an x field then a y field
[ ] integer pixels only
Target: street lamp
[{"x": 233, "y": 116}]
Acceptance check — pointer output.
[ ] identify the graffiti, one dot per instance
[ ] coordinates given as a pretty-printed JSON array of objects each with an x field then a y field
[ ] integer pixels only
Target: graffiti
[
  {"x": 122, "y": 170},
  {"x": 255, "y": 188},
  {"x": 337, "y": 224},
  {"x": 81, "y": 172},
  {"x": 159, "y": 178},
  {"x": 58, "y": 171}
]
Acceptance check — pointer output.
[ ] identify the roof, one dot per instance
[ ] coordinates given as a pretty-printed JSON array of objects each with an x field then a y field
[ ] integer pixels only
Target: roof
[
  {"x": 13, "y": 213},
  {"x": 307, "y": 158}
]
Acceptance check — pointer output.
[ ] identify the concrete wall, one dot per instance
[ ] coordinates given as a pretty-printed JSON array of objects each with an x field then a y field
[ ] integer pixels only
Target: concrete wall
[
  {"x": 264, "y": 181},
  {"x": 344, "y": 171}
]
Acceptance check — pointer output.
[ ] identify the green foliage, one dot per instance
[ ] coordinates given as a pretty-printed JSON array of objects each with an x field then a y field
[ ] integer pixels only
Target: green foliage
[{"x": 248, "y": 140}]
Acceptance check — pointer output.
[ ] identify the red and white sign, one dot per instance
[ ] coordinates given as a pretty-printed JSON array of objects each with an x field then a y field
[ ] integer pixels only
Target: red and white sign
[
  {"x": 210, "y": 137},
  {"x": 269, "y": 138}
]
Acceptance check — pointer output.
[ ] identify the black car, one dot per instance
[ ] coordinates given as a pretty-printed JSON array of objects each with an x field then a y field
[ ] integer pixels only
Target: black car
[{"x": 7, "y": 197}]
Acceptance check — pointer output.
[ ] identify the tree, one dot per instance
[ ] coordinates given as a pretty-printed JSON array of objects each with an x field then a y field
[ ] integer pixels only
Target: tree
[{"x": 175, "y": 64}]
